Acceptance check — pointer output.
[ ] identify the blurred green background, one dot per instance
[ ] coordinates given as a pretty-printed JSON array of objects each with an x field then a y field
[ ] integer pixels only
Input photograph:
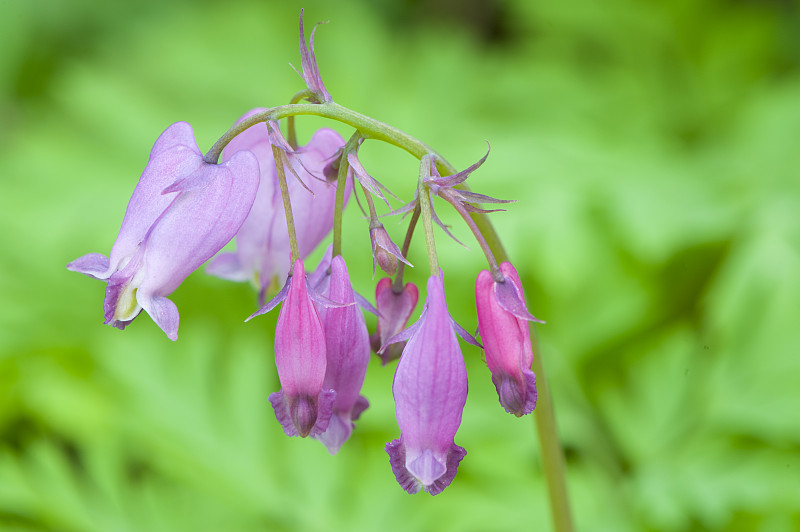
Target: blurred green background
[{"x": 653, "y": 148}]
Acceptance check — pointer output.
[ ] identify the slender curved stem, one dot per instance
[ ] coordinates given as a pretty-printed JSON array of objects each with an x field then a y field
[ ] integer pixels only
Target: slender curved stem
[
  {"x": 287, "y": 205},
  {"x": 544, "y": 416},
  {"x": 368, "y": 127},
  {"x": 397, "y": 284},
  {"x": 487, "y": 251},
  {"x": 427, "y": 222},
  {"x": 341, "y": 183},
  {"x": 291, "y": 132}
]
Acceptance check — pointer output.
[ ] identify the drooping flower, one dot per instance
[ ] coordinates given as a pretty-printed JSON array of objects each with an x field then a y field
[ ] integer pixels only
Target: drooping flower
[
  {"x": 394, "y": 310},
  {"x": 503, "y": 325},
  {"x": 430, "y": 390},
  {"x": 262, "y": 244},
  {"x": 347, "y": 348},
  {"x": 303, "y": 405},
  {"x": 182, "y": 212}
]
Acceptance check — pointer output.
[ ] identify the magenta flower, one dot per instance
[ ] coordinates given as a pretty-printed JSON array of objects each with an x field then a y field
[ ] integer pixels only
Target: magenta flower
[
  {"x": 503, "y": 324},
  {"x": 430, "y": 390},
  {"x": 262, "y": 244},
  {"x": 394, "y": 310},
  {"x": 347, "y": 348},
  {"x": 182, "y": 212},
  {"x": 303, "y": 407}
]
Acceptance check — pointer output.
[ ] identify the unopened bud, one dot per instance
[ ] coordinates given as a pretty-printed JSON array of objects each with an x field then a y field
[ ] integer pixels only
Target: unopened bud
[{"x": 385, "y": 253}]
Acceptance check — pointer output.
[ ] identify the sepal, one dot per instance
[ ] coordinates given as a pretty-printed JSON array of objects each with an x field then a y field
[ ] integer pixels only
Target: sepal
[
  {"x": 517, "y": 398},
  {"x": 94, "y": 265},
  {"x": 303, "y": 416}
]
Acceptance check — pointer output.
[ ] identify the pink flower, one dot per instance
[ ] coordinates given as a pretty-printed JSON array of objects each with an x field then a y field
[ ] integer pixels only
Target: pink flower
[
  {"x": 394, "y": 310},
  {"x": 503, "y": 324},
  {"x": 303, "y": 407}
]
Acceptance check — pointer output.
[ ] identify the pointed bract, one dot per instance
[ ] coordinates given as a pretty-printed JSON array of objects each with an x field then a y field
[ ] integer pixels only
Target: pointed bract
[
  {"x": 182, "y": 212},
  {"x": 430, "y": 390},
  {"x": 503, "y": 324},
  {"x": 309, "y": 64}
]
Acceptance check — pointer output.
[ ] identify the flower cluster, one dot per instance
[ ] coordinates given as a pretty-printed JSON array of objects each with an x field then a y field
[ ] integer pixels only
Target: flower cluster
[{"x": 279, "y": 200}]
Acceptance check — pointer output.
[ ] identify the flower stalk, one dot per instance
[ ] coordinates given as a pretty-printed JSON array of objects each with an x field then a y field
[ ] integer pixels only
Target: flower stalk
[
  {"x": 287, "y": 205},
  {"x": 397, "y": 284},
  {"x": 427, "y": 221},
  {"x": 341, "y": 181}
]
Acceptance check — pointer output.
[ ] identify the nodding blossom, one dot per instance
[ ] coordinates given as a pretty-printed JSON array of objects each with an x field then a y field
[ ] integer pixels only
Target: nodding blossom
[
  {"x": 503, "y": 325},
  {"x": 303, "y": 406},
  {"x": 430, "y": 390},
  {"x": 182, "y": 212},
  {"x": 347, "y": 348},
  {"x": 394, "y": 310}
]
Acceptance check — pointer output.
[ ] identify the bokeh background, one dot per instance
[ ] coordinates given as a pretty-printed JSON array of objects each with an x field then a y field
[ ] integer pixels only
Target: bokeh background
[{"x": 653, "y": 150}]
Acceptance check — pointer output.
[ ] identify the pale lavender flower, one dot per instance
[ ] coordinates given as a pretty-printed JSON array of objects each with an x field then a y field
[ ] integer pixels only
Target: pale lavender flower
[
  {"x": 503, "y": 325},
  {"x": 303, "y": 405},
  {"x": 347, "y": 348},
  {"x": 182, "y": 211},
  {"x": 430, "y": 390},
  {"x": 262, "y": 244}
]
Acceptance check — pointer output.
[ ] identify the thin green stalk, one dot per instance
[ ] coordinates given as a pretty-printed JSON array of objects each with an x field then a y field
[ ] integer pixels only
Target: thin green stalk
[
  {"x": 287, "y": 205},
  {"x": 341, "y": 183},
  {"x": 397, "y": 284},
  {"x": 552, "y": 453},
  {"x": 424, "y": 201},
  {"x": 368, "y": 127},
  {"x": 291, "y": 132},
  {"x": 544, "y": 416}
]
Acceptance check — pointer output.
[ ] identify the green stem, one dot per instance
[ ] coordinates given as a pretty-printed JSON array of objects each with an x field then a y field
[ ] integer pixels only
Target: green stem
[
  {"x": 368, "y": 127},
  {"x": 397, "y": 284},
  {"x": 544, "y": 416},
  {"x": 424, "y": 202},
  {"x": 291, "y": 132},
  {"x": 552, "y": 453},
  {"x": 287, "y": 205},
  {"x": 341, "y": 183}
]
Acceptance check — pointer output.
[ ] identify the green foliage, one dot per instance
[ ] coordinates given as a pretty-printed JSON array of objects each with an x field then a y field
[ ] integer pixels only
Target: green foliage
[{"x": 653, "y": 151}]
